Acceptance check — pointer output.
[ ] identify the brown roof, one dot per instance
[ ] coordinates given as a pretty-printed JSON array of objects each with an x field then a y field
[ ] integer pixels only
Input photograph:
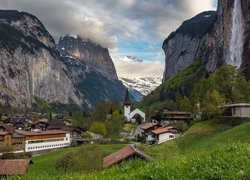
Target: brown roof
[
  {"x": 30, "y": 133},
  {"x": 8, "y": 127},
  {"x": 13, "y": 167},
  {"x": 162, "y": 130},
  {"x": 123, "y": 154},
  {"x": 177, "y": 117},
  {"x": 148, "y": 126},
  {"x": 4, "y": 133}
]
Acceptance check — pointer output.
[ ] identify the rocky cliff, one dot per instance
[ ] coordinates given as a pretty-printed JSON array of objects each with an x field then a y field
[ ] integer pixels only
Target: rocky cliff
[
  {"x": 29, "y": 63},
  {"x": 91, "y": 53},
  {"x": 206, "y": 37},
  {"x": 92, "y": 70}
]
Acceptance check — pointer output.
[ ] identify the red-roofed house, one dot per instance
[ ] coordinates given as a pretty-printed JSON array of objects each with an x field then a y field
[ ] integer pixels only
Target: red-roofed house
[
  {"x": 164, "y": 134},
  {"x": 147, "y": 130},
  {"x": 129, "y": 152}
]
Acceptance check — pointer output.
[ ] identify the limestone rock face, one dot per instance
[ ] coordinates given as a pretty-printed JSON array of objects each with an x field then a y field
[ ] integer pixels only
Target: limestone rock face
[
  {"x": 211, "y": 46},
  {"x": 29, "y": 63},
  {"x": 90, "y": 53},
  {"x": 92, "y": 69}
]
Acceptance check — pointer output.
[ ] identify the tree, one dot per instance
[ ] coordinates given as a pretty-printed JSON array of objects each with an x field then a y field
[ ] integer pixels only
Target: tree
[
  {"x": 186, "y": 104},
  {"x": 211, "y": 104},
  {"x": 98, "y": 128},
  {"x": 114, "y": 125}
]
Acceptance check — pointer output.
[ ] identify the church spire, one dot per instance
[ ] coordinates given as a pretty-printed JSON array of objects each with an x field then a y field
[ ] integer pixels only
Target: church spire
[{"x": 127, "y": 100}]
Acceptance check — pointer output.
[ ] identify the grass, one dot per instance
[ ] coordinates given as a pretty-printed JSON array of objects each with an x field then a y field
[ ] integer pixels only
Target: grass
[{"x": 208, "y": 150}]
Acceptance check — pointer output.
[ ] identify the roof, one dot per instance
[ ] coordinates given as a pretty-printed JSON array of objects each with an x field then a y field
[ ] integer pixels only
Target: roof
[
  {"x": 13, "y": 167},
  {"x": 4, "y": 133},
  {"x": 162, "y": 130},
  {"x": 31, "y": 133},
  {"x": 123, "y": 154},
  {"x": 177, "y": 112},
  {"x": 177, "y": 117},
  {"x": 127, "y": 100},
  {"x": 148, "y": 125},
  {"x": 237, "y": 105},
  {"x": 8, "y": 127}
]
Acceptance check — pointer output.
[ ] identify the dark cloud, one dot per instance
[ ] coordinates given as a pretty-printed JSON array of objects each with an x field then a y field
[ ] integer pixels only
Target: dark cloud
[{"x": 108, "y": 21}]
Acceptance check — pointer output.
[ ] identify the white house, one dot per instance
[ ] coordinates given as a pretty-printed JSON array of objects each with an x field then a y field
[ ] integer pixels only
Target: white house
[
  {"x": 44, "y": 140},
  {"x": 135, "y": 114},
  {"x": 164, "y": 134}
]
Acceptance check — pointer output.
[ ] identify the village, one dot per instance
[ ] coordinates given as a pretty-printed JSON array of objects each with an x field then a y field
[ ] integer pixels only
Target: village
[{"x": 22, "y": 137}]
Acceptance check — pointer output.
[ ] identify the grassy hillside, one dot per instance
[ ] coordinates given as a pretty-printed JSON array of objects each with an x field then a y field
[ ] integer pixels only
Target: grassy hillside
[{"x": 208, "y": 150}]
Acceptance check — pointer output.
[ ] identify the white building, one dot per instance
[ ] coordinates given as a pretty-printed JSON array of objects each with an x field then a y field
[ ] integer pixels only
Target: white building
[
  {"x": 239, "y": 110},
  {"x": 135, "y": 114},
  {"x": 164, "y": 134},
  {"x": 45, "y": 140}
]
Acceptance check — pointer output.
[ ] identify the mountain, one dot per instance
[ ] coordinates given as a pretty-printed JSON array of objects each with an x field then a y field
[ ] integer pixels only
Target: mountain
[
  {"x": 138, "y": 86},
  {"x": 144, "y": 85},
  {"x": 211, "y": 38},
  {"x": 92, "y": 70},
  {"x": 30, "y": 65}
]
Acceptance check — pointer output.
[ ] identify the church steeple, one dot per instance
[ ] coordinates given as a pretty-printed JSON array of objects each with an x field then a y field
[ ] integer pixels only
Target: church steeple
[{"x": 127, "y": 99}]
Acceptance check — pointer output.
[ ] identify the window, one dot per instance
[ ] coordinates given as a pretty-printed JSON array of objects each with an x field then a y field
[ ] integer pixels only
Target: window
[{"x": 171, "y": 136}]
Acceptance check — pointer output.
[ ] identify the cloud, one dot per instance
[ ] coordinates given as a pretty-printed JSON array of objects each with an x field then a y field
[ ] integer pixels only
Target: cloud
[
  {"x": 106, "y": 22},
  {"x": 131, "y": 69}
]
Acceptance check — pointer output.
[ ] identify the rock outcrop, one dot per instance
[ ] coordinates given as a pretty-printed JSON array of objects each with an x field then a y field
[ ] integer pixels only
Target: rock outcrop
[
  {"x": 206, "y": 37},
  {"x": 91, "y": 53},
  {"x": 29, "y": 63},
  {"x": 92, "y": 69}
]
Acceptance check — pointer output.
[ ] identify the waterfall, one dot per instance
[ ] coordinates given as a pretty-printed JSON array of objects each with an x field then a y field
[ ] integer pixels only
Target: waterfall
[{"x": 237, "y": 33}]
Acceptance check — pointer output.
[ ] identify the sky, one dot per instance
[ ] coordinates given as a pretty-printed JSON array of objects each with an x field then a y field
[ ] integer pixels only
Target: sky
[{"x": 127, "y": 27}]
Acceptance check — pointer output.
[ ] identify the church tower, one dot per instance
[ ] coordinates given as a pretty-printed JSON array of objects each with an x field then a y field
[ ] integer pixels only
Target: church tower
[{"x": 127, "y": 104}]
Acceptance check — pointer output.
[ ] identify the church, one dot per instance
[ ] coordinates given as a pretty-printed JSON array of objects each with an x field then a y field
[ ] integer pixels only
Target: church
[{"x": 136, "y": 115}]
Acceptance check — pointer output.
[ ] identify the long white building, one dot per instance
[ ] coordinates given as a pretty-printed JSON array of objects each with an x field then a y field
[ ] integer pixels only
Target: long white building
[{"x": 45, "y": 140}]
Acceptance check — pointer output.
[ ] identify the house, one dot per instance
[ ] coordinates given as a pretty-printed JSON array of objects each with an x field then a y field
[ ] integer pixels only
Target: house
[
  {"x": 13, "y": 167},
  {"x": 147, "y": 130},
  {"x": 169, "y": 117},
  {"x": 164, "y": 134},
  {"x": 5, "y": 139},
  {"x": 7, "y": 128},
  {"x": 45, "y": 140},
  {"x": 136, "y": 115},
  {"x": 39, "y": 125},
  {"x": 125, "y": 154},
  {"x": 75, "y": 132},
  {"x": 238, "y": 110}
]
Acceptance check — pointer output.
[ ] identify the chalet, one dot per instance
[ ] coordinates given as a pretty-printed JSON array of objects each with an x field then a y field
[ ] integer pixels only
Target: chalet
[
  {"x": 56, "y": 125},
  {"x": 136, "y": 115},
  {"x": 75, "y": 132},
  {"x": 164, "y": 134},
  {"x": 241, "y": 110},
  {"x": 147, "y": 130},
  {"x": 172, "y": 117},
  {"x": 39, "y": 126},
  {"x": 125, "y": 154},
  {"x": 7, "y": 128},
  {"x": 45, "y": 140},
  {"x": 13, "y": 167},
  {"x": 5, "y": 139}
]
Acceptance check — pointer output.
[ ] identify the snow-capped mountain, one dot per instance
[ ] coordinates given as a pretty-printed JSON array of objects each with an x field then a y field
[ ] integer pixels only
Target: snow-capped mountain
[
  {"x": 138, "y": 79},
  {"x": 144, "y": 84}
]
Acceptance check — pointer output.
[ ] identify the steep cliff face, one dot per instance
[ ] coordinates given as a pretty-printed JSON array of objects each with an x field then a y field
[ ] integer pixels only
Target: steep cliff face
[
  {"x": 29, "y": 64},
  {"x": 92, "y": 69},
  {"x": 211, "y": 45},
  {"x": 182, "y": 46},
  {"x": 246, "y": 51},
  {"x": 92, "y": 54}
]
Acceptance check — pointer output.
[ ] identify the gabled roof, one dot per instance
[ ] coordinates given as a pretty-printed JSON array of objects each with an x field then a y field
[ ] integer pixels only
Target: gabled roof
[
  {"x": 148, "y": 125},
  {"x": 162, "y": 130},
  {"x": 237, "y": 105},
  {"x": 123, "y": 154},
  {"x": 13, "y": 167},
  {"x": 8, "y": 128}
]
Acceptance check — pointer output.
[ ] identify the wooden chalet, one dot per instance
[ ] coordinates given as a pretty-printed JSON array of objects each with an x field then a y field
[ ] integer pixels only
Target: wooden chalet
[
  {"x": 125, "y": 154},
  {"x": 172, "y": 117}
]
